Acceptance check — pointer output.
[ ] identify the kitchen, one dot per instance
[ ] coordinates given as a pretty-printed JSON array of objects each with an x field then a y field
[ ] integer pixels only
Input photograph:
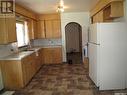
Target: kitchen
[{"x": 43, "y": 36}]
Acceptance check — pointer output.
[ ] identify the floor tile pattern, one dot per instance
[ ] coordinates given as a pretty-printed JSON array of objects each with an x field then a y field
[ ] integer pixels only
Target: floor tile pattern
[{"x": 63, "y": 79}]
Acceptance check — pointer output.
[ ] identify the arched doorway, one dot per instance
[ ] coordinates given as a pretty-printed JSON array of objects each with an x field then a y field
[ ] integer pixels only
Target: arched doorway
[{"x": 73, "y": 32}]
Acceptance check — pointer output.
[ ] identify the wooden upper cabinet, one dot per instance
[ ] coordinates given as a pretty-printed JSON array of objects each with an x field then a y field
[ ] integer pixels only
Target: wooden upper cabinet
[
  {"x": 98, "y": 17},
  {"x": 40, "y": 29},
  {"x": 7, "y": 30},
  {"x": 11, "y": 26},
  {"x": 3, "y": 31},
  {"x": 56, "y": 29},
  {"x": 114, "y": 10},
  {"x": 49, "y": 28},
  {"x": 52, "y": 28},
  {"x": 35, "y": 29},
  {"x": 30, "y": 29},
  {"x": 107, "y": 10}
]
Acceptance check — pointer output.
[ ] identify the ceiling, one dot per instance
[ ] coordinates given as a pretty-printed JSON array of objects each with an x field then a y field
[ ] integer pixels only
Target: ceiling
[{"x": 50, "y": 6}]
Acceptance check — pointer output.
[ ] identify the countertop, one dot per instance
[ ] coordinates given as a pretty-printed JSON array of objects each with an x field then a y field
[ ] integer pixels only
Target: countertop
[
  {"x": 22, "y": 54},
  {"x": 49, "y": 46}
]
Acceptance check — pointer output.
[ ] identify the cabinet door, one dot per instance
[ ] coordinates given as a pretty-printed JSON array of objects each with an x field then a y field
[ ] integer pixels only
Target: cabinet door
[
  {"x": 100, "y": 16},
  {"x": 3, "y": 31},
  {"x": 30, "y": 29},
  {"x": 26, "y": 69},
  {"x": 41, "y": 29},
  {"x": 56, "y": 29},
  {"x": 47, "y": 55},
  {"x": 95, "y": 18},
  {"x": 56, "y": 55},
  {"x": 49, "y": 28},
  {"x": 11, "y": 26},
  {"x": 38, "y": 61},
  {"x": 12, "y": 74},
  {"x": 39, "y": 58},
  {"x": 7, "y": 30},
  {"x": 35, "y": 29}
]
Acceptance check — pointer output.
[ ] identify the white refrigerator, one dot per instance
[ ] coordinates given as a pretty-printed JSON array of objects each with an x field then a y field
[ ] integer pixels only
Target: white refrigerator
[{"x": 107, "y": 51}]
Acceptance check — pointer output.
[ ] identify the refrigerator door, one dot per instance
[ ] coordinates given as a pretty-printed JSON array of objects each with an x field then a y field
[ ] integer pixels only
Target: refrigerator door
[
  {"x": 94, "y": 33},
  {"x": 113, "y": 55},
  {"x": 93, "y": 51}
]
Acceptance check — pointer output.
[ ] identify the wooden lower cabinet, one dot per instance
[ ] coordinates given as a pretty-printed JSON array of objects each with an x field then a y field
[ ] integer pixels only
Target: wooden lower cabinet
[
  {"x": 52, "y": 55},
  {"x": 57, "y": 55},
  {"x": 12, "y": 74},
  {"x": 28, "y": 68},
  {"x": 38, "y": 59},
  {"x": 47, "y": 55},
  {"x": 17, "y": 73}
]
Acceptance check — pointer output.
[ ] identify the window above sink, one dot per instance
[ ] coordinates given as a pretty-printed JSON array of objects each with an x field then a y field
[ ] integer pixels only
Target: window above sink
[{"x": 22, "y": 33}]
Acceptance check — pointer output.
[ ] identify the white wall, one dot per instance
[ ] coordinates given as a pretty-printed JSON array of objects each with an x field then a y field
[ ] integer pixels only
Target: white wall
[{"x": 79, "y": 17}]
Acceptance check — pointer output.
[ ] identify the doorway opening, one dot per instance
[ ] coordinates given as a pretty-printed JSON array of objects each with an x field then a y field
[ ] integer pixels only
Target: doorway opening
[{"x": 73, "y": 33}]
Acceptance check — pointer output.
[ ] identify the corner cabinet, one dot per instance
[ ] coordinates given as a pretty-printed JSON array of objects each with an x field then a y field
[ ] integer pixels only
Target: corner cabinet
[
  {"x": 49, "y": 26},
  {"x": 52, "y": 55},
  {"x": 56, "y": 29},
  {"x": 7, "y": 30},
  {"x": 53, "y": 29}
]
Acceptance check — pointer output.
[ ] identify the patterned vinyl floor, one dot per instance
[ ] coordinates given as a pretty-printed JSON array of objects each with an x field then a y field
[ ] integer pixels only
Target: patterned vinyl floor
[{"x": 63, "y": 79}]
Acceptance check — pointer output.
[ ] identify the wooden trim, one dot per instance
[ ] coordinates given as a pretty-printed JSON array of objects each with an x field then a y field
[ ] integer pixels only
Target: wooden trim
[
  {"x": 49, "y": 16},
  {"x": 25, "y": 12}
]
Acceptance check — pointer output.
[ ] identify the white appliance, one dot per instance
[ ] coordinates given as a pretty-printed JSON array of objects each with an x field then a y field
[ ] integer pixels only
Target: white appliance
[
  {"x": 1, "y": 83},
  {"x": 107, "y": 51}
]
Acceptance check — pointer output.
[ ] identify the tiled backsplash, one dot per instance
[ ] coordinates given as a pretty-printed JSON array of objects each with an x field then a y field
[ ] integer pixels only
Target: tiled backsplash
[
  {"x": 47, "y": 42},
  {"x": 6, "y": 50}
]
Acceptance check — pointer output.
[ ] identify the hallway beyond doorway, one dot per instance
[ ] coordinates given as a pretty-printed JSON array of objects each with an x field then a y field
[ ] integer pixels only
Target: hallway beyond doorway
[{"x": 75, "y": 57}]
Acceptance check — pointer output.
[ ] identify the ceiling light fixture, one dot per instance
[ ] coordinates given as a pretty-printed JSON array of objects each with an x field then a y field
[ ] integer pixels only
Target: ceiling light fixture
[{"x": 60, "y": 8}]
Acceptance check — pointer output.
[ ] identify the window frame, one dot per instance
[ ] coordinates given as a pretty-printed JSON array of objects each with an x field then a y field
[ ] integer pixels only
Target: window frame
[{"x": 22, "y": 22}]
